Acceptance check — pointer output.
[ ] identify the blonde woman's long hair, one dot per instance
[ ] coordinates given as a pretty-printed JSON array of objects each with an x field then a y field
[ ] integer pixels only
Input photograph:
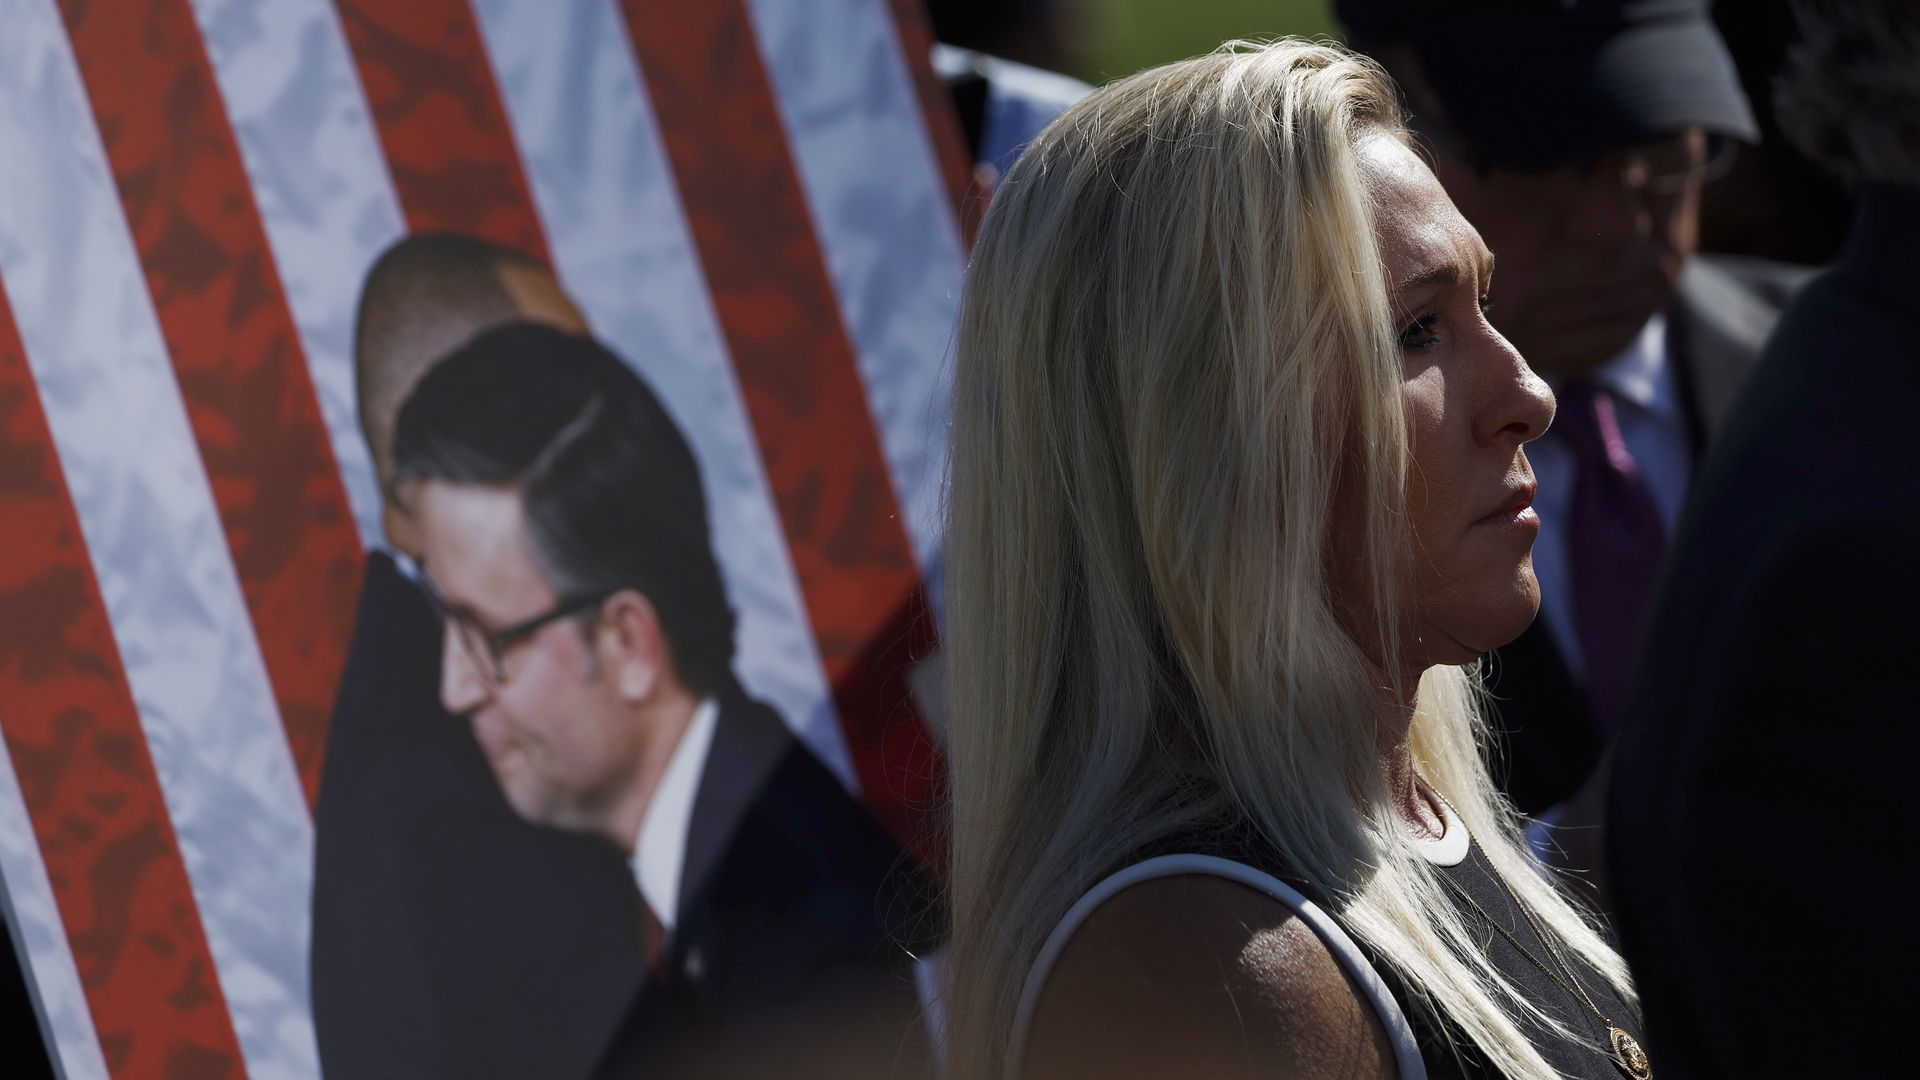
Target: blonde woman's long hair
[{"x": 1175, "y": 341}]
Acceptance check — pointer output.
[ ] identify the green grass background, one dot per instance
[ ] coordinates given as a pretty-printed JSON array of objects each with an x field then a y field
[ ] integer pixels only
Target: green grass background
[{"x": 1127, "y": 35}]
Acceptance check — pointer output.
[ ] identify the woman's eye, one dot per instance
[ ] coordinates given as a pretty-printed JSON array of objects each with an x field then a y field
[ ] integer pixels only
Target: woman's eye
[{"x": 1419, "y": 335}]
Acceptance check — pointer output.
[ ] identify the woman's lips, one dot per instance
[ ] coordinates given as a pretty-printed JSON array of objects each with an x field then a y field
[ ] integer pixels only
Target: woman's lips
[{"x": 1517, "y": 512}]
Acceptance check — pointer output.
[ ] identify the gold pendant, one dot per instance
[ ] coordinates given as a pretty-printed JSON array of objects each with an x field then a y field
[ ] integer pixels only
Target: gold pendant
[{"x": 1628, "y": 1055}]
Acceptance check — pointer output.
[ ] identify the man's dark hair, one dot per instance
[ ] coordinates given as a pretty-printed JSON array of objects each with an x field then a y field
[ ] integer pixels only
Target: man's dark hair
[{"x": 609, "y": 486}]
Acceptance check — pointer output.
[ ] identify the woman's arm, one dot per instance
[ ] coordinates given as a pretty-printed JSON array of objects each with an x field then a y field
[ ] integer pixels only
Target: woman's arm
[{"x": 1201, "y": 976}]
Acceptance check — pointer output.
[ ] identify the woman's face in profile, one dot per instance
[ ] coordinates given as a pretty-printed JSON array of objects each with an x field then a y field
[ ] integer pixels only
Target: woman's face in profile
[{"x": 1471, "y": 404}]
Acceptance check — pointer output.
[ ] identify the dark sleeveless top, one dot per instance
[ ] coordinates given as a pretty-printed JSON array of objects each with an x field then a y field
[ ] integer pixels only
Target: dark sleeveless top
[
  {"x": 1475, "y": 875},
  {"x": 1446, "y": 1052}
]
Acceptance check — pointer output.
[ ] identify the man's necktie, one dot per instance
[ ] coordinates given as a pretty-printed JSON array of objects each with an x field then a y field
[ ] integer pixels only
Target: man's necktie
[
  {"x": 1615, "y": 542},
  {"x": 653, "y": 937}
]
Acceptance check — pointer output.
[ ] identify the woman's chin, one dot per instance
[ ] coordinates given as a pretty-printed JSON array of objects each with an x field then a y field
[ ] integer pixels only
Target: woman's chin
[
  {"x": 1464, "y": 624},
  {"x": 1471, "y": 635},
  {"x": 1506, "y": 612}
]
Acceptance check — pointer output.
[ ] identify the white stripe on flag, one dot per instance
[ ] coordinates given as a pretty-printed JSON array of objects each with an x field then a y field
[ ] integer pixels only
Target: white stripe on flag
[
  {"x": 320, "y": 180},
  {"x": 606, "y": 195},
  {"x": 147, "y": 514},
  {"x": 885, "y": 222},
  {"x": 54, "y": 977}
]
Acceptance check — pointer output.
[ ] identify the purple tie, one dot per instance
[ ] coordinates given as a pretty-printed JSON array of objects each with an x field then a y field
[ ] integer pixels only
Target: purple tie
[{"x": 1616, "y": 543}]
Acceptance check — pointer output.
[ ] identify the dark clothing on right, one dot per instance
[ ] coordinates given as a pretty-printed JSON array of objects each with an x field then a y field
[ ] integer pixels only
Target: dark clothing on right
[{"x": 1756, "y": 818}]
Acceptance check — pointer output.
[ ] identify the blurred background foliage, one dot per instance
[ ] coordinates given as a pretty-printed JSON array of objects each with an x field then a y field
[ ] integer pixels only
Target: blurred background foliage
[
  {"x": 1129, "y": 35},
  {"x": 1102, "y": 40}
]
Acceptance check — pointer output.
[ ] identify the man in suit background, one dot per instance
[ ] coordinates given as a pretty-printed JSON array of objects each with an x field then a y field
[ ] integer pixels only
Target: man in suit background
[
  {"x": 1762, "y": 785},
  {"x": 395, "y": 995},
  {"x": 589, "y": 643},
  {"x": 1577, "y": 138}
]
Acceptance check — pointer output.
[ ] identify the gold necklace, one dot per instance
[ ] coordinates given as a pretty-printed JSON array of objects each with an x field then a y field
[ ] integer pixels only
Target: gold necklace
[{"x": 1626, "y": 1049}]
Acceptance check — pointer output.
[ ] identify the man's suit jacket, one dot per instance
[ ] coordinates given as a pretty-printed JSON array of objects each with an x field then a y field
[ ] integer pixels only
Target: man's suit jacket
[
  {"x": 535, "y": 950},
  {"x": 1757, "y": 829},
  {"x": 1719, "y": 321},
  {"x": 797, "y": 915}
]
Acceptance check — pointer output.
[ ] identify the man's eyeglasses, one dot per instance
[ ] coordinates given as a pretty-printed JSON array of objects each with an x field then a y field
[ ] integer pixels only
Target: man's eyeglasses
[
  {"x": 1666, "y": 166},
  {"x": 488, "y": 648},
  {"x": 1669, "y": 166}
]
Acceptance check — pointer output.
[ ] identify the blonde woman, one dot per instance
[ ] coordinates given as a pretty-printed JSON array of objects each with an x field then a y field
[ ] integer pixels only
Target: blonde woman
[{"x": 1238, "y": 497}]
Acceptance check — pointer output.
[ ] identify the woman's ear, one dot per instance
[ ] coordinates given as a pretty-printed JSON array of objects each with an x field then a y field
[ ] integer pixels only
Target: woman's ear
[{"x": 633, "y": 651}]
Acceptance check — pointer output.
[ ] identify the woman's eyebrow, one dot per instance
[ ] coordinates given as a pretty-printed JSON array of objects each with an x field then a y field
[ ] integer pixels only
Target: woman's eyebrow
[
  {"x": 1441, "y": 273},
  {"x": 1448, "y": 272}
]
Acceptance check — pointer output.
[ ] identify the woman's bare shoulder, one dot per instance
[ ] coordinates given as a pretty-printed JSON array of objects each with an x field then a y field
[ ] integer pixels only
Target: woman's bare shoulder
[{"x": 1201, "y": 976}]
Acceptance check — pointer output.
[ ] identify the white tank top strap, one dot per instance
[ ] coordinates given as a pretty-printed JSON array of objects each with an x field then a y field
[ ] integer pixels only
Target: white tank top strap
[{"x": 1406, "y": 1049}]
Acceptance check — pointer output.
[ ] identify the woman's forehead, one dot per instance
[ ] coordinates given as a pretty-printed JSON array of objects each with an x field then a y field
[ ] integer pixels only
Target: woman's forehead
[{"x": 1422, "y": 237}]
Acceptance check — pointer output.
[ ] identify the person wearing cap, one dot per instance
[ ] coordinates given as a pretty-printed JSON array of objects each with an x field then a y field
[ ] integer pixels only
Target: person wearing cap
[
  {"x": 1576, "y": 135},
  {"x": 1762, "y": 782}
]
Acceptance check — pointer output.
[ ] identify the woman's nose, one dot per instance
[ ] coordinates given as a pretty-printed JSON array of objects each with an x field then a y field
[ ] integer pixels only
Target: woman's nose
[{"x": 1522, "y": 405}]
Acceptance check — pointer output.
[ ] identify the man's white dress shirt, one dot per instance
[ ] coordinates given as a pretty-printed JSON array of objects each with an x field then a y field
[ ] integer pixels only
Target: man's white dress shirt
[{"x": 660, "y": 853}]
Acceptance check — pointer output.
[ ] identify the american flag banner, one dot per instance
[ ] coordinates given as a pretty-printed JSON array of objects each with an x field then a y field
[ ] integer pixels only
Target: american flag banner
[{"x": 752, "y": 201}]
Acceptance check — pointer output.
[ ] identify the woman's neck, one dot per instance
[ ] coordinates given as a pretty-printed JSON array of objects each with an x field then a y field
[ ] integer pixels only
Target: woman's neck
[{"x": 1412, "y": 803}]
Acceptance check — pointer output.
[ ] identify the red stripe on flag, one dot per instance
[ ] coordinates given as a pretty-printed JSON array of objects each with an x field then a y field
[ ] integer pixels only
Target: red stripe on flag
[
  {"x": 970, "y": 197},
  {"x": 441, "y": 121},
  {"x": 242, "y": 373},
  {"x": 803, "y": 390},
  {"x": 89, "y": 785}
]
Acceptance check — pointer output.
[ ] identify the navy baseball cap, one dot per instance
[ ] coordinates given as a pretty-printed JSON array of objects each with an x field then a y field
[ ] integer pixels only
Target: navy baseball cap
[{"x": 1535, "y": 83}]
